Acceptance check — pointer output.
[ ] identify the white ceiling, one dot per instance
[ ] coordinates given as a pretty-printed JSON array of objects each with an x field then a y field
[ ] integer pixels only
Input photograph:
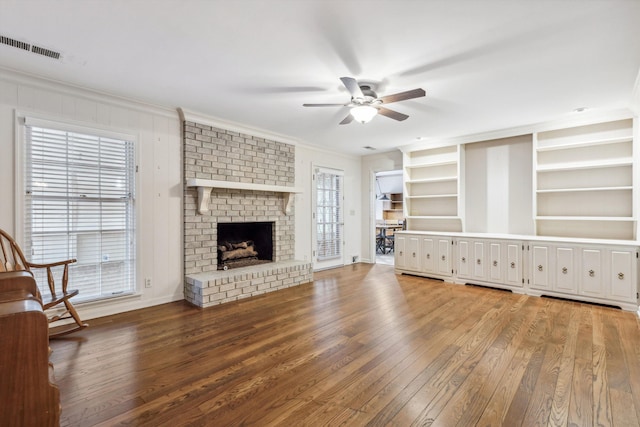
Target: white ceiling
[{"x": 486, "y": 64}]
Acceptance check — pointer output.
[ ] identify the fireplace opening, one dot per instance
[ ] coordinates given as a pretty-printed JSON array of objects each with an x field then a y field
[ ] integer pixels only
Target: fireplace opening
[{"x": 241, "y": 244}]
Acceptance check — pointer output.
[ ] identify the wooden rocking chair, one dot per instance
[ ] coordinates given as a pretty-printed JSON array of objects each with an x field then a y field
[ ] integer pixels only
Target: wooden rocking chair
[{"x": 12, "y": 259}]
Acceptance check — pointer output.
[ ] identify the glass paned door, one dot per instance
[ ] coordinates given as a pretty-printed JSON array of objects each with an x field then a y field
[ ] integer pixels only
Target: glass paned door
[{"x": 328, "y": 215}]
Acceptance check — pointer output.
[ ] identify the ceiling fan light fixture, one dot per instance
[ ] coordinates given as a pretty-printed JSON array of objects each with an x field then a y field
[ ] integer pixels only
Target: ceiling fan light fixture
[{"x": 363, "y": 113}]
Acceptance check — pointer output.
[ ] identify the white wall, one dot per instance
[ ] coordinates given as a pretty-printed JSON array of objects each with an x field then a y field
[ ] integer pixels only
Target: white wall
[
  {"x": 159, "y": 181},
  {"x": 498, "y": 186},
  {"x": 306, "y": 158},
  {"x": 381, "y": 162}
]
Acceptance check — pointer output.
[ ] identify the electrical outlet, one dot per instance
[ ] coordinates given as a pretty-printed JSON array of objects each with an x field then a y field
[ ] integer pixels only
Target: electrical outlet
[
  {"x": 354, "y": 258},
  {"x": 147, "y": 282}
]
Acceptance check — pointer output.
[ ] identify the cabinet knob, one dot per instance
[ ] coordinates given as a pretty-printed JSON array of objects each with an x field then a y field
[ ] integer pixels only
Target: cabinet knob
[
  {"x": 592, "y": 273},
  {"x": 495, "y": 263},
  {"x": 414, "y": 254},
  {"x": 564, "y": 270},
  {"x": 621, "y": 276},
  {"x": 400, "y": 253},
  {"x": 513, "y": 265},
  {"x": 479, "y": 262},
  {"x": 540, "y": 267},
  {"x": 464, "y": 259},
  {"x": 443, "y": 257},
  {"x": 428, "y": 256}
]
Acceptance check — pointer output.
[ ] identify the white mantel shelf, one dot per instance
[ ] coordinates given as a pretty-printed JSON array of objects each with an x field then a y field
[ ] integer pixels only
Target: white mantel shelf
[{"x": 205, "y": 186}]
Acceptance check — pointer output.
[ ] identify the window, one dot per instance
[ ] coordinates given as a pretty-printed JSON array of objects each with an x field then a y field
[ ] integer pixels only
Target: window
[
  {"x": 329, "y": 214},
  {"x": 79, "y": 203}
]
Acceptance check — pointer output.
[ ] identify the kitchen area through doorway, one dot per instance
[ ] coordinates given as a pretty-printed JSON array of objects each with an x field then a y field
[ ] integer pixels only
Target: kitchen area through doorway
[{"x": 389, "y": 214}]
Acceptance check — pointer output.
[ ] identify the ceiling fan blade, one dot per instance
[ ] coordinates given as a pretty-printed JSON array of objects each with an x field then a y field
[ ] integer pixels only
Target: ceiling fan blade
[
  {"x": 352, "y": 85},
  {"x": 392, "y": 114},
  {"x": 410, "y": 94},
  {"x": 324, "y": 105},
  {"x": 347, "y": 120}
]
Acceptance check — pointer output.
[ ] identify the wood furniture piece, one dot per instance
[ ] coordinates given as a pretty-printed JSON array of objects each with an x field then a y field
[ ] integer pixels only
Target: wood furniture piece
[
  {"x": 12, "y": 259},
  {"x": 592, "y": 270},
  {"x": 385, "y": 239},
  {"x": 27, "y": 391}
]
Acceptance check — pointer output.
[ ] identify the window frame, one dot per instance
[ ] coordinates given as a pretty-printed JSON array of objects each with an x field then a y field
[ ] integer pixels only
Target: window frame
[{"x": 21, "y": 121}]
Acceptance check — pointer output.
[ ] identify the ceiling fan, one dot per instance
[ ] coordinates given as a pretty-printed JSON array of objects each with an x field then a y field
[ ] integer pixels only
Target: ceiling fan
[{"x": 365, "y": 103}]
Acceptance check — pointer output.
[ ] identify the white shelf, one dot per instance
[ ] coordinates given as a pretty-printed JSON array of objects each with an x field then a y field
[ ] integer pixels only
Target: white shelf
[
  {"x": 433, "y": 196},
  {"x": 205, "y": 186},
  {"x": 585, "y": 218},
  {"x": 433, "y": 217},
  {"x": 591, "y": 164},
  {"x": 585, "y": 189},
  {"x": 582, "y": 144},
  {"x": 431, "y": 164},
  {"x": 428, "y": 180}
]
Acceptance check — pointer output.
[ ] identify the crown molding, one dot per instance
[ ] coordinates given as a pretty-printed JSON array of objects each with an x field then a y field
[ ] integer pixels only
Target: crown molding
[
  {"x": 64, "y": 88},
  {"x": 575, "y": 119}
]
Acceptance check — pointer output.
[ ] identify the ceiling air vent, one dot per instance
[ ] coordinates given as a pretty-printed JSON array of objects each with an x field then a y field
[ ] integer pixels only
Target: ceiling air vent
[
  {"x": 368, "y": 147},
  {"x": 46, "y": 52},
  {"x": 14, "y": 43},
  {"x": 29, "y": 48}
]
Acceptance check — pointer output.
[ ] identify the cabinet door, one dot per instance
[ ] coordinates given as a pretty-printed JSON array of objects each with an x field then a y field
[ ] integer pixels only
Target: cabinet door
[
  {"x": 479, "y": 263},
  {"x": 565, "y": 277},
  {"x": 514, "y": 264},
  {"x": 495, "y": 262},
  {"x": 400, "y": 252},
  {"x": 622, "y": 281},
  {"x": 592, "y": 277},
  {"x": 444, "y": 257},
  {"x": 413, "y": 254},
  {"x": 427, "y": 255},
  {"x": 463, "y": 259},
  {"x": 540, "y": 267}
]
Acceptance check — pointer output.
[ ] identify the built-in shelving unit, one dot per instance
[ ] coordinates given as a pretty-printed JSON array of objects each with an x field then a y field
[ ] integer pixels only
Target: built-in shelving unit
[
  {"x": 392, "y": 209},
  {"x": 432, "y": 188},
  {"x": 584, "y": 181}
]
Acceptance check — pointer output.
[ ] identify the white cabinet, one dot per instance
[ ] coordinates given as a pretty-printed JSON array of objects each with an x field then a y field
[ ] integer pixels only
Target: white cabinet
[
  {"x": 406, "y": 251},
  {"x": 591, "y": 268},
  {"x": 597, "y": 271},
  {"x": 435, "y": 256},
  {"x": 490, "y": 262},
  {"x": 603, "y": 274},
  {"x": 540, "y": 267},
  {"x": 423, "y": 255},
  {"x": 622, "y": 275},
  {"x": 513, "y": 276},
  {"x": 565, "y": 270}
]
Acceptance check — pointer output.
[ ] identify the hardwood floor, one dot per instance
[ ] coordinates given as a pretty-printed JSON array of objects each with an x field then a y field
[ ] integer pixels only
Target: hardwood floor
[{"x": 359, "y": 346}]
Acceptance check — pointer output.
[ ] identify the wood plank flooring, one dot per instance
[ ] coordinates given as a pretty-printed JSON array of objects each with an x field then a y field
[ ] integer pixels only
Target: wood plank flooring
[{"x": 359, "y": 346}]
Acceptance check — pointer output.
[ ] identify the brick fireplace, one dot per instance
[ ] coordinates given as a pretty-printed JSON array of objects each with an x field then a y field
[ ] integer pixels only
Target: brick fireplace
[{"x": 252, "y": 167}]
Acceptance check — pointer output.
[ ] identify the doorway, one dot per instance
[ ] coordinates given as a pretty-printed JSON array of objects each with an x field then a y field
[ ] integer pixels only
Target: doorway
[
  {"x": 328, "y": 200},
  {"x": 389, "y": 214}
]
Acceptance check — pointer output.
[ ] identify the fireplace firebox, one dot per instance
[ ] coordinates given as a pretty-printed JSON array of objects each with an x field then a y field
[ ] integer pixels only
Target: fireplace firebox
[{"x": 241, "y": 244}]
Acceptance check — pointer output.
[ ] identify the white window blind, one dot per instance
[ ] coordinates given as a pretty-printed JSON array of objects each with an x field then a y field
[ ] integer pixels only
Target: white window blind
[
  {"x": 79, "y": 203},
  {"x": 329, "y": 214}
]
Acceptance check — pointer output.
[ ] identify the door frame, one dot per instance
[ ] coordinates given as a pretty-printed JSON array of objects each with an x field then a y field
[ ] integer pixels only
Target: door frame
[{"x": 333, "y": 262}]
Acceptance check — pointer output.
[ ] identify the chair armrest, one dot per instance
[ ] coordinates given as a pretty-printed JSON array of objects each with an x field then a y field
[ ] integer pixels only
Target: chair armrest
[{"x": 53, "y": 264}]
